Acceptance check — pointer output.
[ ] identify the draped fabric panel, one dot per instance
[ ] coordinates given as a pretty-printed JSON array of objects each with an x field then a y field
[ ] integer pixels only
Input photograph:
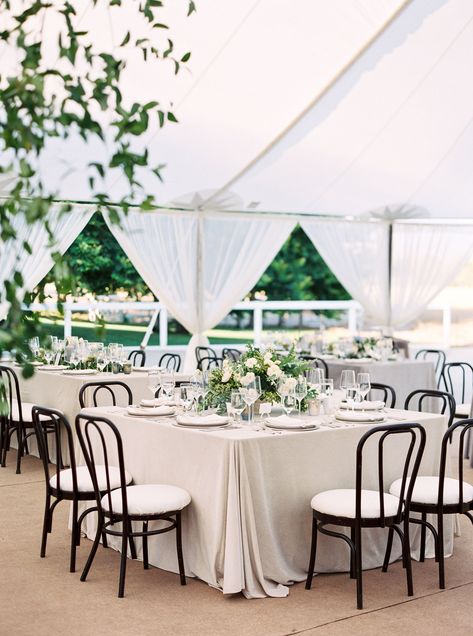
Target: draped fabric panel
[
  {"x": 34, "y": 267},
  {"x": 425, "y": 257},
  {"x": 199, "y": 264}
]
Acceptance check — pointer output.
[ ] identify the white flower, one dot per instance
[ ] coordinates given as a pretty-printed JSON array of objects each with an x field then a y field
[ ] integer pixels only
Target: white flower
[
  {"x": 251, "y": 362},
  {"x": 291, "y": 383},
  {"x": 246, "y": 379},
  {"x": 274, "y": 371},
  {"x": 268, "y": 357},
  {"x": 227, "y": 374}
]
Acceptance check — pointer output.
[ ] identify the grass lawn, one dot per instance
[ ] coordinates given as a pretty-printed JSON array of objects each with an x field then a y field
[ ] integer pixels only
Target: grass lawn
[{"x": 131, "y": 335}]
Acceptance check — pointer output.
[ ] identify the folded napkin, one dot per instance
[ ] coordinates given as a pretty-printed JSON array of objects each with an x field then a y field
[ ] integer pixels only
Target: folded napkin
[
  {"x": 157, "y": 410},
  {"x": 201, "y": 420},
  {"x": 162, "y": 401},
  {"x": 374, "y": 405},
  {"x": 284, "y": 421},
  {"x": 357, "y": 416}
]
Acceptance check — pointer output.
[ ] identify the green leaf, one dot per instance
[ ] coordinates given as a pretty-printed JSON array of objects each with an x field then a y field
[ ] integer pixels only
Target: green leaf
[
  {"x": 186, "y": 57},
  {"x": 126, "y": 39},
  {"x": 171, "y": 117}
]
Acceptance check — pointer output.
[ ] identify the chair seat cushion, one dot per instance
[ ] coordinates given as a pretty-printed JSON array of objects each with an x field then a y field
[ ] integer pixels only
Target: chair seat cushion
[
  {"x": 26, "y": 412},
  {"x": 341, "y": 503},
  {"x": 426, "y": 490},
  {"x": 149, "y": 499},
  {"x": 463, "y": 410},
  {"x": 84, "y": 480}
]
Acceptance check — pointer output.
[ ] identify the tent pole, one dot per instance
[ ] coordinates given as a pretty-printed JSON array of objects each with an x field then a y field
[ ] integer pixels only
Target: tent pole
[
  {"x": 199, "y": 269},
  {"x": 390, "y": 271}
]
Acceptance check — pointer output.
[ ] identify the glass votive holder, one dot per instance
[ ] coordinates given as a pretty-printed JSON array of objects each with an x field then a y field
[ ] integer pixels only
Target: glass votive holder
[{"x": 126, "y": 366}]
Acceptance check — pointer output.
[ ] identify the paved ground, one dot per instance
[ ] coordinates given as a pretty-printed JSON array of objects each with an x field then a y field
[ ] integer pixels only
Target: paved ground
[{"x": 39, "y": 596}]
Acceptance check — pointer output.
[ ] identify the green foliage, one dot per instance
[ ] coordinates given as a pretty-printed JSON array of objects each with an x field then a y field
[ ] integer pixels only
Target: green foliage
[
  {"x": 71, "y": 92},
  {"x": 299, "y": 273}
]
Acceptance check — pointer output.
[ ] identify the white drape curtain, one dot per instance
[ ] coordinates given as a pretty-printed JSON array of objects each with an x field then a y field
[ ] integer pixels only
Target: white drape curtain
[
  {"x": 425, "y": 257},
  {"x": 199, "y": 264},
  {"x": 34, "y": 267}
]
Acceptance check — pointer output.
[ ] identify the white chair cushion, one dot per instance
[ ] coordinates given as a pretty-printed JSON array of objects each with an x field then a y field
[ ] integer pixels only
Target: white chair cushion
[
  {"x": 84, "y": 480},
  {"x": 426, "y": 490},
  {"x": 149, "y": 499},
  {"x": 341, "y": 503},
  {"x": 26, "y": 412},
  {"x": 463, "y": 410}
]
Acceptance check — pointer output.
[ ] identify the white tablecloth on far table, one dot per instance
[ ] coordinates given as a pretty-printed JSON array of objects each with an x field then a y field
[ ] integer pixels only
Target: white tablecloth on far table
[
  {"x": 248, "y": 527},
  {"x": 403, "y": 375}
]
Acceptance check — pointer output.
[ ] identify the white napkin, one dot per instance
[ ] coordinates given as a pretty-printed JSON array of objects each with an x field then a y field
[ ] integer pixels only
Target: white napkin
[
  {"x": 162, "y": 401},
  {"x": 357, "y": 416},
  {"x": 157, "y": 410},
  {"x": 374, "y": 405},
  {"x": 201, "y": 420},
  {"x": 284, "y": 421}
]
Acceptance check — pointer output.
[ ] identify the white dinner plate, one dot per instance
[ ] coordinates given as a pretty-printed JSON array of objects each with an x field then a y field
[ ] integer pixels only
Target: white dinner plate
[
  {"x": 204, "y": 421},
  {"x": 375, "y": 405},
  {"x": 80, "y": 372},
  {"x": 150, "y": 411},
  {"x": 286, "y": 423},
  {"x": 360, "y": 417},
  {"x": 53, "y": 367}
]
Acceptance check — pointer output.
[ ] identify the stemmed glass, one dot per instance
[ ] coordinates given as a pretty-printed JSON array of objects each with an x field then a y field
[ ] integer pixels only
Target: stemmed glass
[
  {"x": 102, "y": 360},
  {"x": 197, "y": 388},
  {"x": 34, "y": 346},
  {"x": 315, "y": 378},
  {"x": 283, "y": 389},
  {"x": 185, "y": 396},
  {"x": 153, "y": 381},
  {"x": 168, "y": 383},
  {"x": 364, "y": 386},
  {"x": 251, "y": 393},
  {"x": 300, "y": 391},
  {"x": 348, "y": 385},
  {"x": 237, "y": 403}
]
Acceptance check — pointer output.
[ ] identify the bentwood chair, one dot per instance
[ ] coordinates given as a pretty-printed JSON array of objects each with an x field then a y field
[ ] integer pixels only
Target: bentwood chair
[
  {"x": 316, "y": 362},
  {"x": 431, "y": 400},
  {"x": 127, "y": 504},
  {"x": 231, "y": 354},
  {"x": 72, "y": 484},
  {"x": 458, "y": 378},
  {"x": 209, "y": 362},
  {"x": 18, "y": 420},
  {"x": 358, "y": 508},
  {"x": 170, "y": 361},
  {"x": 137, "y": 357},
  {"x": 388, "y": 394},
  {"x": 437, "y": 356},
  {"x": 439, "y": 495},
  {"x": 96, "y": 388},
  {"x": 205, "y": 352}
]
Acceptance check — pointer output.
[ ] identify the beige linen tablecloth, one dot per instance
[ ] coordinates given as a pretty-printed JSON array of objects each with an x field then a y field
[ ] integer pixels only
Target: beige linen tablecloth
[
  {"x": 249, "y": 524},
  {"x": 403, "y": 375}
]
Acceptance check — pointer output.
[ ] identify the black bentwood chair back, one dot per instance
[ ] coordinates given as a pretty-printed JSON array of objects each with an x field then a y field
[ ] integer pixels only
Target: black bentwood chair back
[
  {"x": 209, "y": 363},
  {"x": 105, "y": 388},
  {"x": 316, "y": 362},
  {"x": 388, "y": 394},
  {"x": 231, "y": 354},
  {"x": 170, "y": 361},
  {"x": 441, "y": 496},
  {"x": 137, "y": 357},
  {"x": 359, "y": 508},
  {"x": 71, "y": 484},
  {"x": 458, "y": 378},
  {"x": 205, "y": 352},
  {"x": 98, "y": 436},
  {"x": 431, "y": 400},
  {"x": 437, "y": 356},
  {"x": 18, "y": 419}
]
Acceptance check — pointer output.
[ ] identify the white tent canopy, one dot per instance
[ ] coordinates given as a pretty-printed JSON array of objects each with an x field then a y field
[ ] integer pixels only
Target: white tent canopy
[{"x": 297, "y": 111}]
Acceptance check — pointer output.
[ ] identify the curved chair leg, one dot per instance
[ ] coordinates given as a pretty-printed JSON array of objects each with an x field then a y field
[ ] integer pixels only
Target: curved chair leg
[
  {"x": 93, "y": 552},
  {"x": 145, "y": 546},
  {"x": 389, "y": 546},
  {"x": 313, "y": 552},
  {"x": 359, "y": 568},
  {"x": 441, "y": 552},
  {"x": 423, "y": 532},
  {"x": 75, "y": 532},
  {"x": 46, "y": 525},
  {"x": 123, "y": 558},
  {"x": 180, "y": 557}
]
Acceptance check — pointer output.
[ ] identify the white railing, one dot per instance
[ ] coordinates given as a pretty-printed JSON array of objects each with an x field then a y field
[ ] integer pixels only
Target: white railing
[{"x": 352, "y": 309}]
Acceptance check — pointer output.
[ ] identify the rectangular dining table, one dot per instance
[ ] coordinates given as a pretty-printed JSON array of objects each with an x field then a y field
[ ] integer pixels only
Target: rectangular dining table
[
  {"x": 403, "y": 375},
  {"x": 248, "y": 526}
]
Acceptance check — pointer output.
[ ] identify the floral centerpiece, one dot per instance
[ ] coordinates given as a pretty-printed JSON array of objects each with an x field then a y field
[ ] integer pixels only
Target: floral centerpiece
[{"x": 270, "y": 366}]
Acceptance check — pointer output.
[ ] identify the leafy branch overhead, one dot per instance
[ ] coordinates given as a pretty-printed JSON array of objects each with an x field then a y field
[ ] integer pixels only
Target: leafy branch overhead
[{"x": 66, "y": 83}]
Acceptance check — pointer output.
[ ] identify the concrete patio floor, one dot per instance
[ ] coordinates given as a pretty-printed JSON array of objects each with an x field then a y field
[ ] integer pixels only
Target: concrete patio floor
[{"x": 39, "y": 596}]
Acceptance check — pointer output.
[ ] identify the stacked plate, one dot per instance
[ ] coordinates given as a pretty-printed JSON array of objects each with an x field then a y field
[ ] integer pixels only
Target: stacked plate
[
  {"x": 202, "y": 421},
  {"x": 362, "y": 412},
  {"x": 286, "y": 423},
  {"x": 150, "y": 411}
]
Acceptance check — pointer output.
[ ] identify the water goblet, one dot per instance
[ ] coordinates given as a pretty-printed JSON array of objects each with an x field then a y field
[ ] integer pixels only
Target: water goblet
[
  {"x": 300, "y": 391},
  {"x": 153, "y": 381},
  {"x": 251, "y": 392},
  {"x": 347, "y": 381},
  {"x": 168, "y": 383},
  {"x": 237, "y": 403},
  {"x": 364, "y": 386}
]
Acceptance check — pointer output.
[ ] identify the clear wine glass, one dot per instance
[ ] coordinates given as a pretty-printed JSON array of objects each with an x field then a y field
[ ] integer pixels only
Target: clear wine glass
[
  {"x": 197, "y": 387},
  {"x": 185, "y": 396},
  {"x": 251, "y": 393},
  {"x": 288, "y": 403},
  {"x": 168, "y": 383},
  {"x": 364, "y": 386},
  {"x": 34, "y": 345},
  {"x": 315, "y": 378},
  {"x": 237, "y": 403},
  {"x": 347, "y": 380},
  {"x": 153, "y": 381},
  {"x": 300, "y": 391},
  {"x": 102, "y": 360}
]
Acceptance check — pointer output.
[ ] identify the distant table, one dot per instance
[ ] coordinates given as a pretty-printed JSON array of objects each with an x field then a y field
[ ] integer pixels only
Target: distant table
[
  {"x": 403, "y": 375},
  {"x": 248, "y": 526}
]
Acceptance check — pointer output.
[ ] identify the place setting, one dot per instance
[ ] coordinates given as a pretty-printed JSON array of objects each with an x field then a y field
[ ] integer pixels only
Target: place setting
[{"x": 355, "y": 409}]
